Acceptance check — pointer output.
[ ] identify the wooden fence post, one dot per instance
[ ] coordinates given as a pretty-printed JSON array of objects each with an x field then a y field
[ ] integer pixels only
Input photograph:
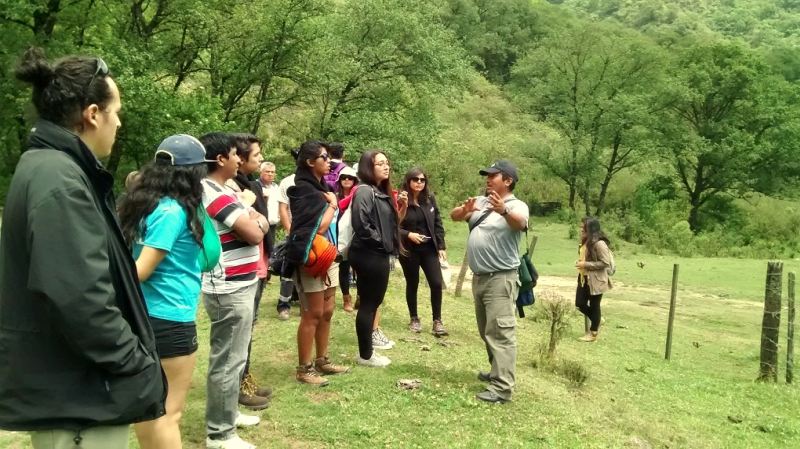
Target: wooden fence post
[
  {"x": 462, "y": 273},
  {"x": 771, "y": 323},
  {"x": 790, "y": 332},
  {"x": 672, "y": 300}
]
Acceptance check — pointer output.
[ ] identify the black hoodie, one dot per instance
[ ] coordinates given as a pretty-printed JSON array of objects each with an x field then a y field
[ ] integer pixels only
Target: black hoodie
[{"x": 76, "y": 346}]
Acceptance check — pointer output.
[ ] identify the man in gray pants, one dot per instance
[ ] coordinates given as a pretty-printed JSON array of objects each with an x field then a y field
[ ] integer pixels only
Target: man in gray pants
[
  {"x": 228, "y": 292},
  {"x": 496, "y": 223}
]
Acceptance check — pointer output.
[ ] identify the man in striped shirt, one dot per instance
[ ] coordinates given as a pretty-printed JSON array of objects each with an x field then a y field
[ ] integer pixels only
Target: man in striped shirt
[{"x": 228, "y": 291}]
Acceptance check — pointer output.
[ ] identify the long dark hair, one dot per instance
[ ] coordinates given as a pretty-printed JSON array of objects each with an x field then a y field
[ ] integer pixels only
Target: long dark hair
[
  {"x": 425, "y": 196},
  {"x": 593, "y": 235},
  {"x": 366, "y": 171},
  {"x": 157, "y": 180}
]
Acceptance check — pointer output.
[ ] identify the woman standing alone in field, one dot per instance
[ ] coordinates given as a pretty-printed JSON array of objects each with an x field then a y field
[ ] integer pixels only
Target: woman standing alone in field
[{"x": 594, "y": 263}]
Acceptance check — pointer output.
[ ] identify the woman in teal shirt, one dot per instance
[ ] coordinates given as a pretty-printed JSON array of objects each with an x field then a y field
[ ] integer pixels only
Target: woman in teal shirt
[{"x": 163, "y": 220}]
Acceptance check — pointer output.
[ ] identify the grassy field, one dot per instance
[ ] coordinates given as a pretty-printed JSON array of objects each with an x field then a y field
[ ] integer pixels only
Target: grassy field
[{"x": 705, "y": 397}]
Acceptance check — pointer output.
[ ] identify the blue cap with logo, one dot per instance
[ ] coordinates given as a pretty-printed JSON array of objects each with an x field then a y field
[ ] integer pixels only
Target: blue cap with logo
[{"x": 182, "y": 149}]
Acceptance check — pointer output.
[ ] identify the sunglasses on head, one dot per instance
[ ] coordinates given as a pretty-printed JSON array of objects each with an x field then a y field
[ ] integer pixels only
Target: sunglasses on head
[
  {"x": 102, "y": 70},
  {"x": 418, "y": 179},
  {"x": 347, "y": 178}
]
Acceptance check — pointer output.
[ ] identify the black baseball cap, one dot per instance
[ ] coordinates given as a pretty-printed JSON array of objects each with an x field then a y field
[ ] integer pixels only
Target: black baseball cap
[{"x": 501, "y": 166}]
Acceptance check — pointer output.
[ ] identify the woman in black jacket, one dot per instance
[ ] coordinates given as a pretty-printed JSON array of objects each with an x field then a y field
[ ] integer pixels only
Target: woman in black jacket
[
  {"x": 311, "y": 248},
  {"x": 376, "y": 238},
  {"x": 423, "y": 236}
]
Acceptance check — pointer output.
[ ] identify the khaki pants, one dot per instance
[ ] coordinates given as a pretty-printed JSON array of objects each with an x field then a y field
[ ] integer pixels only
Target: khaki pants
[
  {"x": 495, "y": 297},
  {"x": 108, "y": 437}
]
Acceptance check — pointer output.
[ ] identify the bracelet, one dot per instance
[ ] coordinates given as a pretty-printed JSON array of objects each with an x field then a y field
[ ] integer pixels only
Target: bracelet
[{"x": 334, "y": 206}]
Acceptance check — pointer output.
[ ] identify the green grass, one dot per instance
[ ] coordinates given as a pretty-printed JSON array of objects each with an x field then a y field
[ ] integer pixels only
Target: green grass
[{"x": 632, "y": 398}]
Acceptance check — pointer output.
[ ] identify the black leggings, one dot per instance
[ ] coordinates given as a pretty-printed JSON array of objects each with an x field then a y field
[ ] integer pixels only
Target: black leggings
[
  {"x": 372, "y": 269},
  {"x": 588, "y": 304},
  {"x": 428, "y": 259}
]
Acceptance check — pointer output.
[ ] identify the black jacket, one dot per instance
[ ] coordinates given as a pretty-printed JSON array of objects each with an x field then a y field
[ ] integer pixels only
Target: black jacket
[
  {"x": 76, "y": 346},
  {"x": 307, "y": 204},
  {"x": 433, "y": 222},
  {"x": 374, "y": 221}
]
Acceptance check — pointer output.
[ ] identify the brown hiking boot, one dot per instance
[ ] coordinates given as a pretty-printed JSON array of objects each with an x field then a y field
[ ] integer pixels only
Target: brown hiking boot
[
  {"x": 324, "y": 366},
  {"x": 438, "y": 329},
  {"x": 248, "y": 397},
  {"x": 308, "y": 375},
  {"x": 252, "y": 385},
  {"x": 415, "y": 326},
  {"x": 348, "y": 303},
  {"x": 589, "y": 337}
]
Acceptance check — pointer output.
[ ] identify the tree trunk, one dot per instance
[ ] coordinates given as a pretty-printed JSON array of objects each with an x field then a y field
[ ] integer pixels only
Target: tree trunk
[{"x": 771, "y": 323}]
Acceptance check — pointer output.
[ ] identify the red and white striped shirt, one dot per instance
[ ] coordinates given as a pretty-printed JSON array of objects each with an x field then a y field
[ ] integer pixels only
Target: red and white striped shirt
[{"x": 239, "y": 261}]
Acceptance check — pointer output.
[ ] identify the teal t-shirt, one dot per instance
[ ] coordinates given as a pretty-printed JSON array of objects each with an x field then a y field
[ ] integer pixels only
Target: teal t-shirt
[{"x": 172, "y": 291}]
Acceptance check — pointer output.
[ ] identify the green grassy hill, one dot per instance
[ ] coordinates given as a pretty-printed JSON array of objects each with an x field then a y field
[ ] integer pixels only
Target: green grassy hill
[{"x": 706, "y": 397}]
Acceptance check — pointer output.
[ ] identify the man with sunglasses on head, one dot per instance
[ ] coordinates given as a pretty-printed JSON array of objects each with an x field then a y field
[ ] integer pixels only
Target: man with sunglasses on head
[
  {"x": 496, "y": 222},
  {"x": 77, "y": 350}
]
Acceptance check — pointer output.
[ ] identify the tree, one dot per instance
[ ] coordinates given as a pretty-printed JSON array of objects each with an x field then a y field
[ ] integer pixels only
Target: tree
[
  {"x": 383, "y": 64},
  {"x": 725, "y": 115},
  {"x": 592, "y": 85}
]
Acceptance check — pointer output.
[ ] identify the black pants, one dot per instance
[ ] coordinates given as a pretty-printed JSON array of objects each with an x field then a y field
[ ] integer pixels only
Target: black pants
[
  {"x": 372, "y": 269},
  {"x": 344, "y": 276},
  {"x": 428, "y": 259},
  {"x": 588, "y": 304}
]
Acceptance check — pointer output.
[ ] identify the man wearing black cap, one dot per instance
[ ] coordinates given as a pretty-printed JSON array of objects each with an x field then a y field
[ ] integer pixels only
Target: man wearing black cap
[{"x": 496, "y": 222}]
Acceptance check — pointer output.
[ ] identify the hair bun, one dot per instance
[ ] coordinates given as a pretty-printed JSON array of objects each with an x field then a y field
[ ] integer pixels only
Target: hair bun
[{"x": 34, "y": 68}]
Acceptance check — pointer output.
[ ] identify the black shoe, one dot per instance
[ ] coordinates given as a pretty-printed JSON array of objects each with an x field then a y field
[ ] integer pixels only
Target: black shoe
[
  {"x": 491, "y": 397},
  {"x": 483, "y": 376}
]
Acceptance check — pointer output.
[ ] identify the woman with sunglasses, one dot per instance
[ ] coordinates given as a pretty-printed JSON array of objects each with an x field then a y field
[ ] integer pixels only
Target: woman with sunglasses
[
  {"x": 376, "y": 238},
  {"x": 311, "y": 249},
  {"x": 423, "y": 235},
  {"x": 162, "y": 219},
  {"x": 347, "y": 181}
]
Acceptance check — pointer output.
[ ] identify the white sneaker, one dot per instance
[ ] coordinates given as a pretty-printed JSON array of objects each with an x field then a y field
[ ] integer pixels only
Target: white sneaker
[
  {"x": 243, "y": 420},
  {"x": 233, "y": 442},
  {"x": 376, "y": 361},
  {"x": 380, "y": 340}
]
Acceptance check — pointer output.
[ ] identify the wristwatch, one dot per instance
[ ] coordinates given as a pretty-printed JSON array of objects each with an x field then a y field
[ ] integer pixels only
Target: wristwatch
[{"x": 505, "y": 211}]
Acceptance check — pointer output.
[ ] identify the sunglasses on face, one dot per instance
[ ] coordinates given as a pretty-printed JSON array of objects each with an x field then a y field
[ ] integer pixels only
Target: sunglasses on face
[
  {"x": 324, "y": 156},
  {"x": 347, "y": 178},
  {"x": 418, "y": 179}
]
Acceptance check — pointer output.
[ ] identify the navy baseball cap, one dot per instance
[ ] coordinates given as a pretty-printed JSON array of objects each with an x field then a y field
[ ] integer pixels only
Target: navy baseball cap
[
  {"x": 182, "y": 149},
  {"x": 501, "y": 166}
]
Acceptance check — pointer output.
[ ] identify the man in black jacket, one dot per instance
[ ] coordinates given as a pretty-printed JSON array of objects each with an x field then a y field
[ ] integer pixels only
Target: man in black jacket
[{"x": 77, "y": 353}]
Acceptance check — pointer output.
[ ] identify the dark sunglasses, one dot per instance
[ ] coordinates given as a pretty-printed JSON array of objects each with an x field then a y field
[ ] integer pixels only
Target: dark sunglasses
[
  {"x": 418, "y": 179},
  {"x": 324, "y": 156},
  {"x": 347, "y": 178}
]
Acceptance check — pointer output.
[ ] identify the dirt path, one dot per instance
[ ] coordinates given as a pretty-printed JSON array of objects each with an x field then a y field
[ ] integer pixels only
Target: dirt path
[{"x": 649, "y": 295}]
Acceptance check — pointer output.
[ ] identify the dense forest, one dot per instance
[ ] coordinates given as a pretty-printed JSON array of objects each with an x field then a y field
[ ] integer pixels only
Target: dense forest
[{"x": 676, "y": 121}]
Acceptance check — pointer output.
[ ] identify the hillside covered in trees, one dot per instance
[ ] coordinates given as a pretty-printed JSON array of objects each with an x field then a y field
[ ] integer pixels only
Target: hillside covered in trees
[{"x": 677, "y": 121}]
